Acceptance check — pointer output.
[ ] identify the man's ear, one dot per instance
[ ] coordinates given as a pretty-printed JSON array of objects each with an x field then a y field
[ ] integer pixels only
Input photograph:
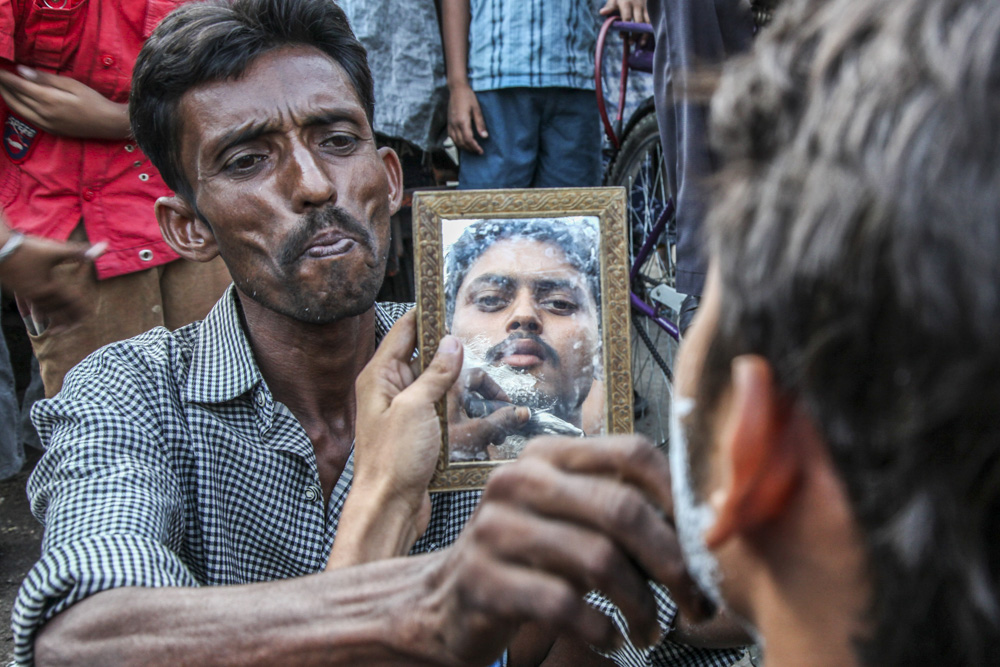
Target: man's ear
[
  {"x": 394, "y": 171},
  {"x": 188, "y": 235},
  {"x": 757, "y": 445}
]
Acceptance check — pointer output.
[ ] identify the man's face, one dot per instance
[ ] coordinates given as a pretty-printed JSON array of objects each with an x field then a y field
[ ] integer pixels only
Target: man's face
[
  {"x": 284, "y": 168},
  {"x": 692, "y": 443},
  {"x": 535, "y": 313}
]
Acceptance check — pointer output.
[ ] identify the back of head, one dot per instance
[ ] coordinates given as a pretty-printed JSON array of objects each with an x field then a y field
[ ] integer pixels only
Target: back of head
[
  {"x": 857, "y": 234},
  {"x": 216, "y": 40}
]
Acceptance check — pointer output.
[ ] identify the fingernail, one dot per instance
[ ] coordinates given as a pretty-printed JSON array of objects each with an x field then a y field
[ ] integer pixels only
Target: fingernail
[
  {"x": 96, "y": 250},
  {"x": 449, "y": 345},
  {"x": 27, "y": 72},
  {"x": 523, "y": 414}
]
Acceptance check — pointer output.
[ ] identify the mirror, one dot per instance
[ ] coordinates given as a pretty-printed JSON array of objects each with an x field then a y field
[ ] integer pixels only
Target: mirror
[{"x": 534, "y": 284}]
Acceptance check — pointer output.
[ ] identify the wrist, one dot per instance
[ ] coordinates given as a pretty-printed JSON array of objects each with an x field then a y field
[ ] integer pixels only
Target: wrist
[
  {"x": 458, "y": 82},
  {"x": 376, "y": 524}
]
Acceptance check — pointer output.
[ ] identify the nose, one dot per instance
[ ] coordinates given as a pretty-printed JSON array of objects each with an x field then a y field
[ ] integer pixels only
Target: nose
[
  {"x": 311, "y": 183},
  {"x": 524, "y": 315}
]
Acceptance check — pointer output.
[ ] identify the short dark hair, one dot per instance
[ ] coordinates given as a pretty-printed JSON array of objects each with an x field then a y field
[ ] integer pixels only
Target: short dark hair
[
  {"x": 217, "y": 40},
  {"x": 579, "y": 242},
  {"x": 856, "y": 230}
]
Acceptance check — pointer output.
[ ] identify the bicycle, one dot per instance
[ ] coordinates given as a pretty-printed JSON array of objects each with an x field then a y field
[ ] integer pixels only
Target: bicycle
[{"x": 637, "y": 164}]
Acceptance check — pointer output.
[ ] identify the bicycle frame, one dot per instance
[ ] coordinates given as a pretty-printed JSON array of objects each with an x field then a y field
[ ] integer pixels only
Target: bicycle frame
[
  {"x": 637, "y": 54},
  {"x": 648, "y": 246},
  {"x": 638, "y": 58}
]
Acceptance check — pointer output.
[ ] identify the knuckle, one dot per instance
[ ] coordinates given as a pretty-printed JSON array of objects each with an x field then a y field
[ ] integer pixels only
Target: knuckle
[
  {"x": 639, "y": 453},
  {"x": 626, "y": 508},
  {"x": 603, "y": 561}
]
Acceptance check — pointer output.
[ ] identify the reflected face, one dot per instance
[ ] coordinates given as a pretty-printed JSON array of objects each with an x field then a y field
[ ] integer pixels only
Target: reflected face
[
  {"x": 285, "y": 171},
  {"x": 537, "y": 315}
]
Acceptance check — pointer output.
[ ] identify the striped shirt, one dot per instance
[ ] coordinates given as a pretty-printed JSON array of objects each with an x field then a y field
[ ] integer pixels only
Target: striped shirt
[{"x": 532, "y": 43}]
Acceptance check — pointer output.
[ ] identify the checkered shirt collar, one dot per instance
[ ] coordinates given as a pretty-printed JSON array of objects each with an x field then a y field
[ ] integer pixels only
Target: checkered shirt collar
[{"x": 222, "y": 363}]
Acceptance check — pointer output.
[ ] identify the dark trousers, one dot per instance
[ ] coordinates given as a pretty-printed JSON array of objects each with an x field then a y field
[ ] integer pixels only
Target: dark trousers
[{"x": 691, "y": 34}]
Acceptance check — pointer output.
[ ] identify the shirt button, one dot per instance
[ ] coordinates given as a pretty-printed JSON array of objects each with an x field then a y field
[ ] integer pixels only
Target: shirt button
[
  {"x": 145, "y": 254},
  {"x": 89, "y": 195},
  {"x": 311, "y": 494},
  {"x": 108, "y": 61},
  {"x": 143, "y": 177},
  {"x": 260, "y": 399},
  {"x": 129, "y": 148}
]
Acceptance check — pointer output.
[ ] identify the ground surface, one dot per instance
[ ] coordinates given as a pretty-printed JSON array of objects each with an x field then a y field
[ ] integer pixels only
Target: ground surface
[{"x": 20, "y": 541}]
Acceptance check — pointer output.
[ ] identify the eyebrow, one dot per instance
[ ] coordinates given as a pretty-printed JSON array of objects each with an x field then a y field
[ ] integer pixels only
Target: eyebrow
[
  {"x": 493, "y": 280},
  {"x": 555, "y": 284},
  {"x": 255, "y": 130},
  {"x": 542, "y": 286}
]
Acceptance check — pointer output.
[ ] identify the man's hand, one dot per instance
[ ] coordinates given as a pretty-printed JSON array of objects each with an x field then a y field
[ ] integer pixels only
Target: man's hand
[
  {"x": 480, "y": 414},
  {"x": 465, "y": 119},
  {"x": 30, "y": 273},
  {"x": 397, "y": 441},
  {"x": 570, "y": 515},
  {"x": 631, "y": 11},
  {"x": 63, "y": 106}
]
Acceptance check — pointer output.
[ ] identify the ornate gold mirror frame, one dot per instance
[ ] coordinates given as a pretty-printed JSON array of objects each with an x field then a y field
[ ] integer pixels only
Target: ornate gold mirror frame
[{"x": 431, "y": 208}]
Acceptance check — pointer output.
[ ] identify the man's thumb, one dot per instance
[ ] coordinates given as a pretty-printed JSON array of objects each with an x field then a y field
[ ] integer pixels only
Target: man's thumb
[{"x": 441, "y": 373}]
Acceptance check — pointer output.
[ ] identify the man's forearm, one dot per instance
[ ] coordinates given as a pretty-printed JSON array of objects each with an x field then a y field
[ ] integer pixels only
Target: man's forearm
[
  {"x": 455, "y": 19},
  {"x": 362, "y": 615}
]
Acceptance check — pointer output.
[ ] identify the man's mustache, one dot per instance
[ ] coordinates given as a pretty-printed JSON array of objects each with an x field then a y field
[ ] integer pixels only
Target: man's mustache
[
  {"x": 495, "y": 353},
  {"x": 318, "y": 220}
]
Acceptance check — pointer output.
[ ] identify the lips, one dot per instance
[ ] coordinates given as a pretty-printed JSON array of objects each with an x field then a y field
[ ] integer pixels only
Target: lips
[
  {"x": 330, "y": 243},
  {"x": 523, "y": 353}
]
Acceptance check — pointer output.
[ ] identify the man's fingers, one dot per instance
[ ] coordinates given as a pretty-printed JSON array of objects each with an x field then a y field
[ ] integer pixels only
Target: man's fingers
[
  {"x": 498, "y": 425},
  {"x": 600, "y": 502},
  {"x": 480, "y": 381},
  {"x": 400, "y": 342},
  {"x": 632, "y": 459},
  {"x": 20, "y": 103},
  {"x": 440, "y": 374},
  {"x": 479, "y": 121},
  {"x": 519, "y": 594},
  {"x": 468, "y": 139},
  {"x": 586, "y": 559}
]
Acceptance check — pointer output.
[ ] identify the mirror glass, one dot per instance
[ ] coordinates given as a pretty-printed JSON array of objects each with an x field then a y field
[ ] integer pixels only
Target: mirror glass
[{"x": 524, "y": 297}]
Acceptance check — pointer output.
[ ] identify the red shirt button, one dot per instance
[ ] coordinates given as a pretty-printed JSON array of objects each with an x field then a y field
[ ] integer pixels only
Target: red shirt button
[
  {"x": 88, "y": 195},
  {"x": 108, "y": 61}
]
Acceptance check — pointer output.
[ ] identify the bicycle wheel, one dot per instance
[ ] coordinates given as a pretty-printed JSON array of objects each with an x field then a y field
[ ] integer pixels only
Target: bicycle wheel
[{"x": 640, "y": 168}]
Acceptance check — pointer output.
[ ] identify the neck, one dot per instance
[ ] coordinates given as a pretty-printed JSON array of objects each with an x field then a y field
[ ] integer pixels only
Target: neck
[
  {"x": 813, "y": 597},
  {"x": 311, "y": 369}
]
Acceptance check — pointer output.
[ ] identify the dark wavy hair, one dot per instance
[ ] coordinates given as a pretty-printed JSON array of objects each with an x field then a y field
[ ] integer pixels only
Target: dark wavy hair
[
  {"x": 856, "y": 228},
  {"x": 579, "y": 242},
  {"x": 217, "y": 40}
]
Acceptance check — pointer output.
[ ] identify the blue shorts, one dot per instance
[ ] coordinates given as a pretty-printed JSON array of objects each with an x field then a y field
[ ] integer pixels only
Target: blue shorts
[{"x": 538, "y": 138}]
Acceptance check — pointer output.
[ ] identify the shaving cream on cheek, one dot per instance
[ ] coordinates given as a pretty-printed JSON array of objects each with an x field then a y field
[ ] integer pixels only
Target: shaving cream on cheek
[{"x": 693, "y": 518}]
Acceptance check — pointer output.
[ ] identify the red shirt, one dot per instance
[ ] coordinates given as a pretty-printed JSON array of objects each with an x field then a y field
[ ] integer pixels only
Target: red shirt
[{"x": 47, "y": 182}]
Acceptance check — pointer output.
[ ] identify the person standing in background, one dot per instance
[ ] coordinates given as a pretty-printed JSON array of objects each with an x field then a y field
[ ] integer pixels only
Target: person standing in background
[
  {"x": 521, "y": 92},
  {"x": 69, "y": 170},
  {"x": 27, "y": 265}
]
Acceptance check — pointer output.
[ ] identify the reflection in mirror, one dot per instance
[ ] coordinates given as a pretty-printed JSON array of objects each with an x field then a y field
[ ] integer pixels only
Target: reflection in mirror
[{"x": 524, "y": 297}]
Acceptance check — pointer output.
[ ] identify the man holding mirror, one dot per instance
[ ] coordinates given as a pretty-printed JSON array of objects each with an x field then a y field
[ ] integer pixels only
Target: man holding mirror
[
  {"x": 523, "y": 295},
  {"x": 243, "y": 490}
]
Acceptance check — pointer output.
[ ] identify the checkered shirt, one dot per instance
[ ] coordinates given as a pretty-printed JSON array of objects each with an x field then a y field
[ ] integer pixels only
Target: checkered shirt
[{"x": 169, "y": 463}]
